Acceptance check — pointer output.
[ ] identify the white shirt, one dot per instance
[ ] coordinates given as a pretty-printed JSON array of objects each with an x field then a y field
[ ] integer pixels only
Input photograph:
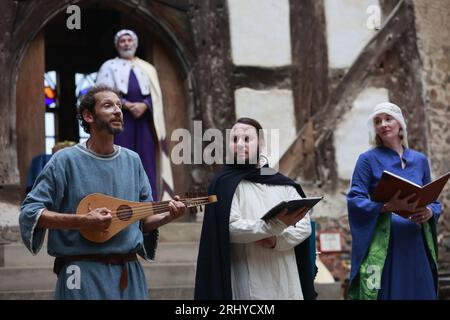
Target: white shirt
[{"x": 258, "y": 272}]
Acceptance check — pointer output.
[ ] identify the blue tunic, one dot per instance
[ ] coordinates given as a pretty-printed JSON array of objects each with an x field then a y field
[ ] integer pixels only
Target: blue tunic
[
  {"x": 70, "y": 175},
  {"x": 407, "y": 271}
]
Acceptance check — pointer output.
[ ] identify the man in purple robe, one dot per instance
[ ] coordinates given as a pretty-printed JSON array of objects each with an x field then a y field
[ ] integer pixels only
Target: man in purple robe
[{"x": 144, "y": 127}]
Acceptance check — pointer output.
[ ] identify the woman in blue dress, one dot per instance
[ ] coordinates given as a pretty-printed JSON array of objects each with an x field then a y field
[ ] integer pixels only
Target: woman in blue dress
[{"x": 392, "y": 257}]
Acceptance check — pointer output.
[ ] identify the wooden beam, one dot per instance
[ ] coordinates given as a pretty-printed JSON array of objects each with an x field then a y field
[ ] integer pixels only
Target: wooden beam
[
  {"x": 213, "y": 66},
  {"x": 30, "y": 107},
  {"x": 309, "y": 58},
  {"x": 9, "y": 174},
  {"x": 260, "y": 78},
  {"x": 339, "y": 102},
  {"x": 180, "y": 5}
]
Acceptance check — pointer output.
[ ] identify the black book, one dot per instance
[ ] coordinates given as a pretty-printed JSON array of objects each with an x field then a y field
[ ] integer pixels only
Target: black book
[{"x": 292, "y": 206}]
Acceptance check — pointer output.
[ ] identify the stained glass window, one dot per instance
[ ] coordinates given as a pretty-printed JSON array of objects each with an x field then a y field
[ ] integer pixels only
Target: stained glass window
[
  {"x": 51, "y": 104},
  {"x": 83, "y": 81},
  {"x": 50, "y": 89}
]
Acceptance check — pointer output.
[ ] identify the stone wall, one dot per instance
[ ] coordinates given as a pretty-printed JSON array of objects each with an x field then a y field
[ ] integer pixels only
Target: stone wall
[
  {"x": 337, "y": 263},
  {"x": 330, "y": 214},
  {"x": 9, "y": 234},
  {"x": 433, "y": 41},
  {"x": 418, "y": 64}
]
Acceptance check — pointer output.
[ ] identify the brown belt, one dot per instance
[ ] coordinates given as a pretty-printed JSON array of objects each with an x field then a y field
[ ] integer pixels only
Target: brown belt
[{"x": 115, "y": 259}]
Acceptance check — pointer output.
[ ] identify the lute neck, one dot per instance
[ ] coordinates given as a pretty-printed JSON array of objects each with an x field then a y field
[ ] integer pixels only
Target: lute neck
[
  {"x": 143, "y": 209},
  {"x": 163, "y": 206}
]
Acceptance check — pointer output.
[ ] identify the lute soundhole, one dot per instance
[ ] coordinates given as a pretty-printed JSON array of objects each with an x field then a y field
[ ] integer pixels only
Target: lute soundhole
[{"x": 124, "y": 212}]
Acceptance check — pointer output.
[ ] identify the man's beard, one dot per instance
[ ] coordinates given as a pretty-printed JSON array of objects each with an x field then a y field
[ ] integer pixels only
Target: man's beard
[
  {"x": 100, "y": 124},
  {"x": 248, "y": 161},
  {"x": 127, "y": 53}
]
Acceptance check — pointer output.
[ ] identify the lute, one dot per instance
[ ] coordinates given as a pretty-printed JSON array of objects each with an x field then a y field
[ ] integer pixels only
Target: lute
[{"x": 126, "y": 212}]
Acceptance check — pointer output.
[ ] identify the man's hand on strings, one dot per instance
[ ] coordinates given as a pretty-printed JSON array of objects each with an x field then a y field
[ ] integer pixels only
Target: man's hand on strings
[
  {"x": 176, "y": 208},
  {"x": 97, "y": 220}
]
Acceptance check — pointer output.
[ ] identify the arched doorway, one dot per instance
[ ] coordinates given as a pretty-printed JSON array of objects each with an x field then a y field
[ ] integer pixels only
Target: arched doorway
[{"x": 71, "y": 55}]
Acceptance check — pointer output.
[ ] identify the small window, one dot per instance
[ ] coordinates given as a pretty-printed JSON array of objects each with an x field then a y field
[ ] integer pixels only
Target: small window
[
  {"x": 50, "y": 137},
  {"x": 51, "y": 109},
  {"x": 50, "y": 90}
]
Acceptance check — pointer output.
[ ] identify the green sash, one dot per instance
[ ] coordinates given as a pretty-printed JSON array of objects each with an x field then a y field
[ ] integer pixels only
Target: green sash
[
  {"x": 431, "y": 244},
  {"x": 367, "y": 283}
]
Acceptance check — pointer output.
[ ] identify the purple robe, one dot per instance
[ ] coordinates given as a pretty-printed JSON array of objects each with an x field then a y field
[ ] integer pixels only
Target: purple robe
[{"x": 138, "y": 133}]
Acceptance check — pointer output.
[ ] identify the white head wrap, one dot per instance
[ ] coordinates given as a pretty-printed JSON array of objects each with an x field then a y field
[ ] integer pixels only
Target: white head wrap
[
  {"x": 125, "y": 31},
  {"x": 394, "y": 111}
]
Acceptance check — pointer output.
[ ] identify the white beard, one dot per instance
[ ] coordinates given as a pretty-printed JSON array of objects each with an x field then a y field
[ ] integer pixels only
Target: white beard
[{"x": 127, "y": 54}]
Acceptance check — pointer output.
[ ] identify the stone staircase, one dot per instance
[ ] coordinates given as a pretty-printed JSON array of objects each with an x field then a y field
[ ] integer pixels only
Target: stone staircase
[{"x": 172, "y": 276}]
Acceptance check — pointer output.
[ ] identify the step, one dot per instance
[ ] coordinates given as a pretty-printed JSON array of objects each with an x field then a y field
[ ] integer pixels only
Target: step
[
  {"x": 17, "y": 255},
  {"x": 175, "y": 293},
  {"x": 180, "y": 232},
  {"x": 159, "y": 275},
  {"x": 171, "y": 252},
  {"x": 329, "y": 291},
  {"x": 174, "y": 231},
  {"x": 325, "y": 291},
  {"x": 27, "y": 295}
]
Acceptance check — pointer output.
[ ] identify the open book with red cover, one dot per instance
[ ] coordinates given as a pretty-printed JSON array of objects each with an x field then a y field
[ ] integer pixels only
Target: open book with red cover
[{"x": 390, "y": 183}]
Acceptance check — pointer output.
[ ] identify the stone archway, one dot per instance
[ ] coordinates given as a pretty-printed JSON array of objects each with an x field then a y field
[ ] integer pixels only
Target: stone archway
[{"x": 170, "y": 57}]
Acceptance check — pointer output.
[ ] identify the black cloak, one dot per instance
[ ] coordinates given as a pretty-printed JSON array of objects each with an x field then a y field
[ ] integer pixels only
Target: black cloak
[{"x": 213, "y": 276}]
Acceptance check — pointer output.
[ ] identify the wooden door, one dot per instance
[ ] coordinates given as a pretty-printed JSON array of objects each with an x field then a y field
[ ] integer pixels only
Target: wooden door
[{"x": 30, "y": 106}]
